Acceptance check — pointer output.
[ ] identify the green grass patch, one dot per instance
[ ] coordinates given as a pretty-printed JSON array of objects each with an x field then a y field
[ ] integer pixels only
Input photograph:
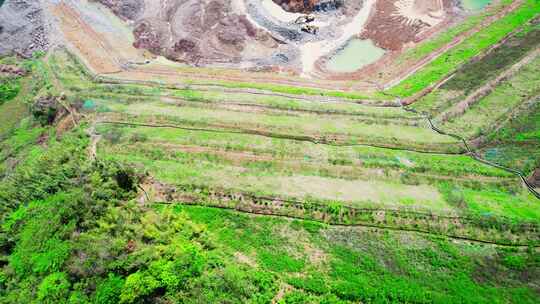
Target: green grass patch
[
  {"x": 466, "y": 50},
  {"x": 477, "y": 73},
  {"x": 344, "y": 265},
  {"x": 9, "y": 88},
  {"x": 486, "y": 113},
  {"x": 427, "y": 47}
]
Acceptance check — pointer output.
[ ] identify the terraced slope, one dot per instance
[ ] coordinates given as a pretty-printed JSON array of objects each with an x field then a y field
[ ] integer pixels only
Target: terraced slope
[
  {"x": 331, "y": 160},
  {"x": 128, "y": 182}
]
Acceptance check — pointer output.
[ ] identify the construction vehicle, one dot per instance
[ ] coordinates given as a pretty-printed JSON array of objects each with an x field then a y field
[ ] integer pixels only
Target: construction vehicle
[
  {"x": 310, "y": 29},
  {"x": 305, "y": 19}
]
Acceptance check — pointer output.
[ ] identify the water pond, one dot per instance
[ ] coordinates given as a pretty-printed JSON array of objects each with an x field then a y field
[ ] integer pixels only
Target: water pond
[
  {"x": 355, "y": 55},
  {"x": 475, "y": 5}
]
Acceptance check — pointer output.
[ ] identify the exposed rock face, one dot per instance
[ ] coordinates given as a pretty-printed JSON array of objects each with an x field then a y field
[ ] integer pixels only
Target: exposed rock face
[
  {"x": 191, "y": 31},
  {"x": 534, "y": 179},
  {"x": 308, "y": 6},
  {"x": 22, "y": 30},
  {"x": 126, "y": 9},
  {"x": 396, "y": 23}
]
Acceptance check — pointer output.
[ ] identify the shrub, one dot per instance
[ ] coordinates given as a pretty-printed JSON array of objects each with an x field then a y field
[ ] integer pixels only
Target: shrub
[
  {"x": 517, "y": 262},
  {"x": 108, "y": 291},
  {"x": 296, "y": 297},
  {"x": 138, "y": 285},
  {"x": 280, "y": 261},
  {"x": 138, "y": 137},
  {"x": 456, "y": 197},
  {"x": 9, "y": 89},
  {"x": 114, "y": 135},
  {"x": 54, "y": 288}
]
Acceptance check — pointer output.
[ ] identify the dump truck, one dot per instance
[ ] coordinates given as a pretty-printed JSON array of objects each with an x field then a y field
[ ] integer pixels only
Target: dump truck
[{"x": 310, "y": 29}]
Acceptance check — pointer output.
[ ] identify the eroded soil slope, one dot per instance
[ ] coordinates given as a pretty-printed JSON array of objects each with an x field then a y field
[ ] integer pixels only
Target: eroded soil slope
[
  {"x": 193, "y": 31},
  {"x": 397, "y": 23}
]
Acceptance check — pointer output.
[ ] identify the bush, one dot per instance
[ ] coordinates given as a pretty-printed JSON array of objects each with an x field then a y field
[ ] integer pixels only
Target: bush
[
  {"x": 280, "y": 261},
  {"x": 9, "y": 88},
  {"x": 138, "y": 285},
  {"x": 456, "y": 198},
  {"x": 138, "y": 137},
  {"x": 108, "y": 291},
  {"x": 54, "y": 289},
  {"x": 517, "y": 262},
  {"x": 296, "y": 297},
  {"x": 40, "y": 245},
  {"x": 114, "y": 135}
]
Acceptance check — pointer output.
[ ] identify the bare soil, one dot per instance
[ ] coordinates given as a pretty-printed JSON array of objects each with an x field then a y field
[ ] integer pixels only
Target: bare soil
[
  {"x": 105, "y": 54},
  {"x": 395, "y": 24},
  {"x": 534, "y": 179}
]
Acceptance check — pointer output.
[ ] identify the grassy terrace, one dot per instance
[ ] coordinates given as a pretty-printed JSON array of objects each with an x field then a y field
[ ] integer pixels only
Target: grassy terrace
[
  {"x": 517, "y": 144},
  {"x": 431, "y": 45},
  {"x": 297, "y": 90},
  {"x": 206, "y": 255},
  {"x": 356, "y": 175},
  {"x": 234, "y": 201},
  {"x": 510, "y": 95},
  {"x": 474, "y": 75},
  {"x": 342, "y": 123},
  {"x": 363, "y": 177},
  {"x": 466, "y": 50},
  {"x": 318, "y": 262},
  {"x": 332, "y": 129}
]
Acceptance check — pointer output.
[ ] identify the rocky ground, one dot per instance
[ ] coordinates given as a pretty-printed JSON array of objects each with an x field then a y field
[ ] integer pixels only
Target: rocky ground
[
  {"x": 394, "y": 24},
  {"x": 22, "y": 28},
  {"x": 194, "y": 31},
  {"x": 309, "y": 6},
  {"x": 241, "y": 33}
]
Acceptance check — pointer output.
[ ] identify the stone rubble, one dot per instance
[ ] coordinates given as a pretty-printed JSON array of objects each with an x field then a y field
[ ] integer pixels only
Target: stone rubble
[{"x": 22, "y": 28}]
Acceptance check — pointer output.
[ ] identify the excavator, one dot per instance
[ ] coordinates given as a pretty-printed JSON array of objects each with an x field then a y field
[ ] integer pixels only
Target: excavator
[
  {"x": 306, "y": 27},
  {"x": 305, "y": 19}
]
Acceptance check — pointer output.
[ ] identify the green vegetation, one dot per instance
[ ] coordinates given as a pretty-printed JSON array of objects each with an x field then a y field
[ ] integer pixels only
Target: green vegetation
[
  {"x": 427, "y": 47},
  {"x": 517, "y": 144},
  {"x": 11, "y": 113},
  {"x": 470, "y": 47},
  {"x": 350, "y": 130},
  {"x": 303, "y": 171},
  {"x": 149, "y": 194},
  {"x": 85, "y": 240},
  {"x": 298, "y": 90},
  {"x": 476, "y": 74},
  {"x": 508, "y": 99},
  {"x": 9, "y": 88}
]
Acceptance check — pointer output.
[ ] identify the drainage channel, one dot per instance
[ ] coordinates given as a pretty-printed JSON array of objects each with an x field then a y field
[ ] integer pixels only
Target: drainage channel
[{"x": 470, "y": 151}]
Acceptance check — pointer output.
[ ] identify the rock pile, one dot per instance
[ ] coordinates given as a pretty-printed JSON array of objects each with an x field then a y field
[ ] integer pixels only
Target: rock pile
[
  {"x": 11, "y": 70},
  {"x": 308, "y": 6},
  {"x": 22, "y": 28}
]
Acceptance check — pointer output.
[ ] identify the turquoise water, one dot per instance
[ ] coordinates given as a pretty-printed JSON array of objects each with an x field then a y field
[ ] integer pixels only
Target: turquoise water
[
  {"x": 474, "y": 5},
  {"x": 356, "y": 54}
]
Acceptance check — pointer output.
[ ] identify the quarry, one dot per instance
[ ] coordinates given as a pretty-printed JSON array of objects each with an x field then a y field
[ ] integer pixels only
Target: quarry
[{"x": 262, "y": 36}]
